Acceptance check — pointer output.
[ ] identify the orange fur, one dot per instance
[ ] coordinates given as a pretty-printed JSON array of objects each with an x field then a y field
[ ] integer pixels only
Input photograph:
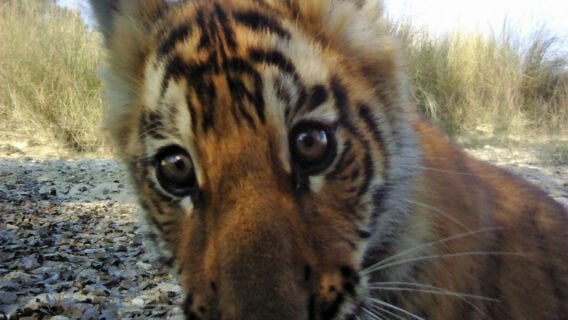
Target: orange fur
[{"x": 400, "y": 223}]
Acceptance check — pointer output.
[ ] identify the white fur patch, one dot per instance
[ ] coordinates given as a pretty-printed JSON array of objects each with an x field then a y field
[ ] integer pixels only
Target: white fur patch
[
  {"x": 316, "y": 183},
  {"x": 153, "y": 77},
  {"x": 187, "y": 205}
]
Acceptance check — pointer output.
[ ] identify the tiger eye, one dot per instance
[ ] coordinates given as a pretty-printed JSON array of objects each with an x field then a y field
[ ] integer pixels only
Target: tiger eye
[
  {"x": 175, "y": 171},
  {"x": 312, "y": 146}
]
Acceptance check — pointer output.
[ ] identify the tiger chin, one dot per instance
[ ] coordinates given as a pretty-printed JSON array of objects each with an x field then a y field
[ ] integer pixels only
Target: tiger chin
[{"x": 276, "y": 151}]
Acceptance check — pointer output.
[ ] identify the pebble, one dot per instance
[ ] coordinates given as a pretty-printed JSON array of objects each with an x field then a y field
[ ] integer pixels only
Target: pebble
[
  {"x": 138, "y": 302},
  {"x": 8, "y": 297},
  {"x": 90, "y": 263}
]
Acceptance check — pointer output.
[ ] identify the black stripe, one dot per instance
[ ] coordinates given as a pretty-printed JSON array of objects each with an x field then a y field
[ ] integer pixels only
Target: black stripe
[
  {"x": 176, "y": 69},
  {"x": 179, "y": 34},
  {"x": 155, "y": 222},
  {"x": 207, "y": 93},
  {"x": 355, "y": 174},
  {"x": 239, "y": 91},
  {"x": 302, "y": 97},
  {"x": 259, "y": 22},
  {"x": 273, "y": 57},
  {"x": 342, "y": 104},
  {"x": 283, "y": 94},
  {"x": 368, "y": 172},
  {"x": 150, "y": 125},
  {"x": 379, "y": 196},
  {"x": 345, "y": 159},
  {"x": 364, "y": 234},
  {"x": 227, "y": 29},
  {"x": 192, "y": 113},
  {"x": 317, "y": 96},
  {"x": 367, "y": 116},
  {"x": 204, "y": 88},
  {"x": 207, "y": 29},
  {"x": 377, "y": 251},
  {"x": 168, "y": 224},
  {"x": 211, "y": 35}
]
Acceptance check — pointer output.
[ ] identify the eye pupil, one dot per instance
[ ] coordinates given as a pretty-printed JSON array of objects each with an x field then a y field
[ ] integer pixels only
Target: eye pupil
[
  {"x": 307, "y": 140},
  {"x": 312, "y": 147},
  {"x": 179, "y": 163},
  {"x": 175, "y": 171}
]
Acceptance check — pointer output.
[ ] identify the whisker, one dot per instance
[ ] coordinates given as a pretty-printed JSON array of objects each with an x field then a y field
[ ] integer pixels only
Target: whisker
[
  {"x": 371, "y": 314},
  {"x": 368, "y": 312},
  {"x": 388, "y": 305},
  {"x": 390, "y": 286},
  {"x": 440, "y": 212},
  {"x": 450, "y": 255},
  {"x": 148, "y": 128},
  {"x": 386, "y": 311},
  {"x": 429, "y": 244},
  {"x": 462, "y": 296}
]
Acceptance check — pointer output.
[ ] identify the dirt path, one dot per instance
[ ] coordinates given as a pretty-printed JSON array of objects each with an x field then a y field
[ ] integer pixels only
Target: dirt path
[{"x": 70, "y": 245}]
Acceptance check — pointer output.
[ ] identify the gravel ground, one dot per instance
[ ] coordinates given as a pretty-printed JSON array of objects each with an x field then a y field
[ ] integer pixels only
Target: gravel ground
[{"x": 71, "y": 247}]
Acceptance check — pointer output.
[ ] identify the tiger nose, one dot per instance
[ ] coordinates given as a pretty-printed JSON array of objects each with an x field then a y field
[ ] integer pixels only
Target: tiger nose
[
  {"x": 253, "y": 262},
  {"x": 262, "y": 273}
]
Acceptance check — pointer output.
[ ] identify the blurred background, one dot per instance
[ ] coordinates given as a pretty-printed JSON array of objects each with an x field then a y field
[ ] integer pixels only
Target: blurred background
[{"x": 483, "y": 71}]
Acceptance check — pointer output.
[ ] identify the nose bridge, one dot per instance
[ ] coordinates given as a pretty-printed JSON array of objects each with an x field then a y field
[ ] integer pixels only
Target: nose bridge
[
  {"x": 260, "y": 262},
  {"x": 257, "y": 238},
  {"x": 245, "y": 160}
]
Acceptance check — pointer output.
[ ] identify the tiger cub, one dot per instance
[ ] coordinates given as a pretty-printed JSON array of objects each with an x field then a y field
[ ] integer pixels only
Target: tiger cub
[{"x": 277, "y": 153}]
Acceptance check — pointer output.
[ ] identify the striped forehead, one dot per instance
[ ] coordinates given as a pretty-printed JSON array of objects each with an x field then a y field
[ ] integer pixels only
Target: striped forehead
[{"x": 265, "y": 65}]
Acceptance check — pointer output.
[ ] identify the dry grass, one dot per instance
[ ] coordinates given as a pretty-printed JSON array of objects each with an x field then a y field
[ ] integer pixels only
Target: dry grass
[
  {"x": 464, "y": 82},
  {"x": 48, "y": 75},
  {"x": 49, "y": 85}
]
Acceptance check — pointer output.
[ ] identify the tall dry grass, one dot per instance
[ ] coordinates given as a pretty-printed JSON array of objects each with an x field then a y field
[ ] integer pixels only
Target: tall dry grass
[
  {"x": 48, "y": 74},
  {"x": 464, "y": 81},
  {"x": 49, "y": 84}
]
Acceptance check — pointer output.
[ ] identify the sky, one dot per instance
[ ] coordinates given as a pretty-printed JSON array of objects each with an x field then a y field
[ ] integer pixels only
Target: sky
[
  {"x": 524, "y": 16},
  {"x": 441, "y": 16}
]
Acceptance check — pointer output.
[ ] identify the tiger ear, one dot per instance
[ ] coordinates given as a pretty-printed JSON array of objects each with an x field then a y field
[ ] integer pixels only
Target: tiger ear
[
  {"x": 126, "y": 29},
  {"x": 125, "y": 26},
  {"x": 360, "y": 31},
  {"x": 356, "y": 25}
]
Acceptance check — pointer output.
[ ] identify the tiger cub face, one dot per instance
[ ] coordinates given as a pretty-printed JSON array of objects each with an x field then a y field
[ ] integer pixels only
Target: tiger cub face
[
  {"x": 261, "y": 136},
  {"x": 269, "y": 144}
]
